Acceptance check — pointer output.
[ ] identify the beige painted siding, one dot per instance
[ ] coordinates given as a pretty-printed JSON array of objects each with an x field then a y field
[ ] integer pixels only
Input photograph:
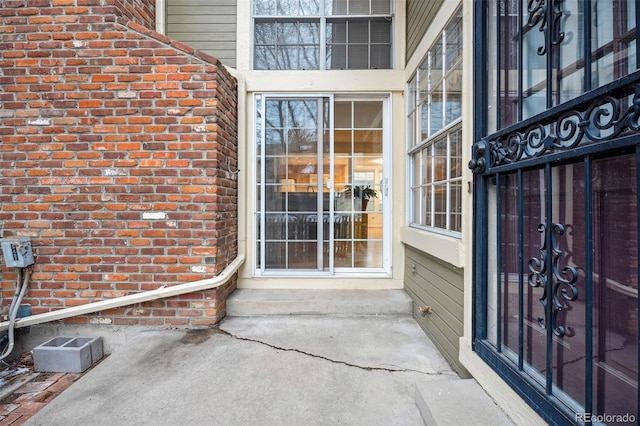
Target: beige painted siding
[
  {"x": 206, "y": 25},
  {"x": 420, "y": 13},
  {"x": 434, "y": 283}
]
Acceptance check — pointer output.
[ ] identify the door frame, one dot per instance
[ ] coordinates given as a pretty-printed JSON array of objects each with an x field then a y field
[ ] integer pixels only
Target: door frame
[{"x": 385, "y": 193}]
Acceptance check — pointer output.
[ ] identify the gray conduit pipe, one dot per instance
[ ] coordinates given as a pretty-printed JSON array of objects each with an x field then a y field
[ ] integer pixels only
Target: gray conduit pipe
[
  {"x": 21, "y": 288},
  {"x": 130, "y": 299}
]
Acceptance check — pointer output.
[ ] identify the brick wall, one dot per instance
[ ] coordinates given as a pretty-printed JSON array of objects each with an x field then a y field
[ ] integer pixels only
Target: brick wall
[
  {"x": 113, "y": 159},
  {"x": 142, "y": 12}
]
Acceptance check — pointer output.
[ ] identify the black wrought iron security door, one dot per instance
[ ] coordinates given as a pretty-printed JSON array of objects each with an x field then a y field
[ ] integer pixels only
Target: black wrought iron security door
[{"x": 555, "y": 222}]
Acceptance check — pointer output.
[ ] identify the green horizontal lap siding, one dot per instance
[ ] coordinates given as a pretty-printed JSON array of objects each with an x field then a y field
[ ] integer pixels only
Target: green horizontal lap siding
[
  {"x": 420, "y": 14},
  {"x": 209, "y": 26},
  {"x": 431, "y": 282}
]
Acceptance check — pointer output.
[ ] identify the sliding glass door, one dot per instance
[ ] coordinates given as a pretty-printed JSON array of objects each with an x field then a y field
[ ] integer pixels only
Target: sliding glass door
[{"x": 320, "y": 185}]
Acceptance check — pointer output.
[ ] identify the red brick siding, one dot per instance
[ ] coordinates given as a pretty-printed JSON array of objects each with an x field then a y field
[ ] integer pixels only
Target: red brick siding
[
  {"x": 142, "y": 12},
  {"x": 113, "y": 159}
]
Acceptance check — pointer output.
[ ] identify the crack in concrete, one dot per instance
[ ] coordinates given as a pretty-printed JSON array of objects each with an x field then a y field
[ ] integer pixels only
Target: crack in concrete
[{"x": 348, "y": 364}]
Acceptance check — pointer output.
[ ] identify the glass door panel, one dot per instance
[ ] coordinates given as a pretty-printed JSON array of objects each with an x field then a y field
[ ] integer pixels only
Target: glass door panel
[
  {"x": 615, "y": 282},
  {"x": 292, "y": 198},
  {"x": 593, "y": 317},
  {"x": 359, "y": 183},
  {"x": 320, "y": 184}
]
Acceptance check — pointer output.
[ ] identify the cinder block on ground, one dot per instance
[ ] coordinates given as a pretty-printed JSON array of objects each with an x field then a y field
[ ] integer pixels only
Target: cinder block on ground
[{"x": 67, "y": 354}]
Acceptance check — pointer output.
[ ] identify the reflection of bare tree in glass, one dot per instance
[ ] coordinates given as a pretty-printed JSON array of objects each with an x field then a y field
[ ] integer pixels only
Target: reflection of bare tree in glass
[
  {"x": 264, "y": 56},
  {"x": 287, "y": 34},
  {"x": 287, "y": 44},
  {"x": 291, "y": 129},
  {"x": 286, "y": 7},
  {"x": 295, "y": 123}
]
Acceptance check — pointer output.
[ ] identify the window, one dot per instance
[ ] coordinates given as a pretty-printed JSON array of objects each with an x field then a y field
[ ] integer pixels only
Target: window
[
  {"x": 322, "y": 34},
  {"x": 435, "y": 134},
  {"x": 590, "y": 49}
]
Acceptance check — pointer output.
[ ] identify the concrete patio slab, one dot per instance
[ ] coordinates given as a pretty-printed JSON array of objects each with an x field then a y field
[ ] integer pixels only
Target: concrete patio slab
[{"x": 262, "y": 370}]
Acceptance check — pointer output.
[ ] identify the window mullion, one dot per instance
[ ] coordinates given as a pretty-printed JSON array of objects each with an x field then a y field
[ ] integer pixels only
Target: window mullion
[
  {"x": 422, "y": 190},
  {"x": 369, "y": 41},
  {"x": 448, "y": 191},
  {"x": 444, "y": 78},
  {"x": 421, "y": 193},
  {"x": 444, "y": 101},
  {"x": 432, "y": 195},
  {"x": 346, "y": 45},
  {"x": 323, "y": 41},
  {"x": 428, "y": 99}
]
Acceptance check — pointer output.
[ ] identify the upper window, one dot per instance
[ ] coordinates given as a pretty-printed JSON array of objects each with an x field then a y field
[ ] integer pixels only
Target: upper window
[
  {"x": 535, "y": 65},
  {"x": 322, "y": 34},
  {"x": 435, "y": 135}
]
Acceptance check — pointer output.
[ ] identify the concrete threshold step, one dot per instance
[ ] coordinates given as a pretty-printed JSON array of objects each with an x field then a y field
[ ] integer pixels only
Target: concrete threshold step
[
  {"x": 456, "y": 403},
  {"x": 254, "y": 302}
]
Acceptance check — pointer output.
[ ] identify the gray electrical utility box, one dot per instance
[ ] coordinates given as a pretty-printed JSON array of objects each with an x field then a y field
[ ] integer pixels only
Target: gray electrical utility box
[{"x": 17, "y": 252}]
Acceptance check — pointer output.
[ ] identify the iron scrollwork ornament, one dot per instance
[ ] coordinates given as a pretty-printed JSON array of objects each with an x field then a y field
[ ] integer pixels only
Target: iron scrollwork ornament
[
  {"x": 603, "y": 120},
  {"x": 538, "y": 15},
  {"x": 563, "y": 281}
]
